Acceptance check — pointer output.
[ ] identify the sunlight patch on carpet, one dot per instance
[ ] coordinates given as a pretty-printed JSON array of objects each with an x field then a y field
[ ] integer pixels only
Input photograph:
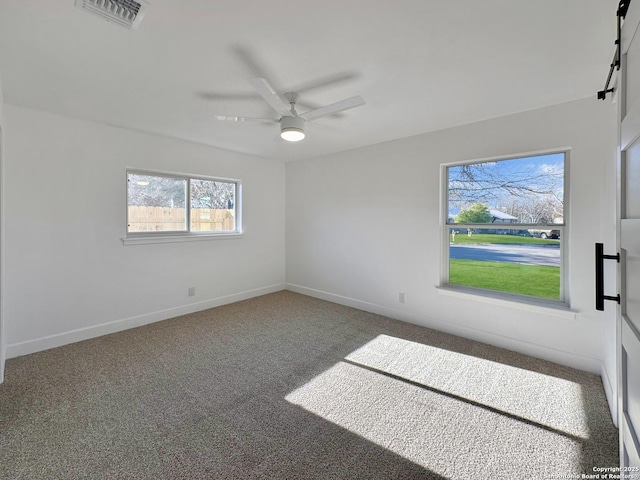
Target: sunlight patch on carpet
[
  {"x": 433, "y": 406},
  {"x": 542, "y": 399}
]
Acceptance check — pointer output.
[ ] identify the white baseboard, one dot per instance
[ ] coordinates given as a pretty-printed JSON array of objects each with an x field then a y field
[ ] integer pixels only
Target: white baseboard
[
  {"x": 580, "y": 362},
  {"x": 60, "y": 339}
]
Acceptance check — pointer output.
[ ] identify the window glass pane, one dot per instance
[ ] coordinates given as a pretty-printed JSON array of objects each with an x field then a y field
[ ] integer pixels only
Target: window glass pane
[
  {"x": 213, "y": 206},
  {"x": 156, "y": 203},
  {"x": 521, "y": 201},
  {"x": 508, "y": 260},
  {"x": 523, "y": 190}
]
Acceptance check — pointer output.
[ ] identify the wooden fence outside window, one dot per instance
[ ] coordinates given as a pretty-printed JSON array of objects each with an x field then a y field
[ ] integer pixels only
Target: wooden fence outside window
[{"x": 168, "y": 219}]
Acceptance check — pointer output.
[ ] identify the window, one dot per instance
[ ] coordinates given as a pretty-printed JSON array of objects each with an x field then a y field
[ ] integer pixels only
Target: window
[
  {"x": 160, "y": 204},
  {"x": 505, "y": 230}
]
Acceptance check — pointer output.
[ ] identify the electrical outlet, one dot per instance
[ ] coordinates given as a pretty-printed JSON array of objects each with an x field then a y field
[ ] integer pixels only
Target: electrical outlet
[
  {"x": 192, "y": 291},
  {"x": 401, "y": 297}
]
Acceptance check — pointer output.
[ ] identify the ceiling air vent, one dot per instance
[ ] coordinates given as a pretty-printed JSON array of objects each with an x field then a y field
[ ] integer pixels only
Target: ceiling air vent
[{"x": 127, "y": 13}]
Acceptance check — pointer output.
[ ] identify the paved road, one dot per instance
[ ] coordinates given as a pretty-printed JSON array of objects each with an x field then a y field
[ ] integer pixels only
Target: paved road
[{"x": 530, "y": 254}]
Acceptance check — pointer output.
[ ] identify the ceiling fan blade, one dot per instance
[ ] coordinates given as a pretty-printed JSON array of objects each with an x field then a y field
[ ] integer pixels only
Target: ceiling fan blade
[
  {"x": 333, "y": 108},
  {"x": 245, "y": 119},
  {"x": 226, "y": 96},
  {"x": 253, "y": 61},
  {"x": 267, "y": 92},
  {"x": 329, "y": 80}
]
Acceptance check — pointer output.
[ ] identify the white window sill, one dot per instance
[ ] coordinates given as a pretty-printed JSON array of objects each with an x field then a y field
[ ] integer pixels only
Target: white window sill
[
  {"x": 532, "y": 305},
  {"x": 151, "y": 239}
]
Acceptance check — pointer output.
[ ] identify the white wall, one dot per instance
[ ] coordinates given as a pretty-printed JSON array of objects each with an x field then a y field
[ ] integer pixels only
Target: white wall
[
  {"x": 364, "y": 225},
  {"x": 67, "y": 274}
]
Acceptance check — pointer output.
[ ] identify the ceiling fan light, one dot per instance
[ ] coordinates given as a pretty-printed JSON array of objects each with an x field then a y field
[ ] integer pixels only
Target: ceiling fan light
[
  {"x": 292, "y": 134},
  {"x": 292, "y": 128}
]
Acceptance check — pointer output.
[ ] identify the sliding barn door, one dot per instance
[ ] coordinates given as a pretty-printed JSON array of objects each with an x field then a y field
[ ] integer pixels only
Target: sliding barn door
[
  {"x": 629, "y": 213},
  {"x": 2, "y": 354}
]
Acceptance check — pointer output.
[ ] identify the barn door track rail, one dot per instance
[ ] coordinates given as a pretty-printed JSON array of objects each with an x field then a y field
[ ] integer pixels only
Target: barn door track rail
[{"x": 623, "y": 6}]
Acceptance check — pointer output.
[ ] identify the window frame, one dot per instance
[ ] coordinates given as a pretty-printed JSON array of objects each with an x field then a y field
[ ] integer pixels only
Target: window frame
[
  {"x": 564, "y": 300},
  {"x": 133, "y": 238}
]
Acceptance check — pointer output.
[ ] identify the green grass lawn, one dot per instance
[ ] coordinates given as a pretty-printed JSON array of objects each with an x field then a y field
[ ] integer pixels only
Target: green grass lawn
[
  {"x": 462, "y": 237},
  {"x": 540, "y": 281}
]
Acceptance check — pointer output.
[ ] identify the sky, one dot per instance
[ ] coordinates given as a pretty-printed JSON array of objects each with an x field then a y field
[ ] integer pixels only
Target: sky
[{"x": 533, "y": 178}]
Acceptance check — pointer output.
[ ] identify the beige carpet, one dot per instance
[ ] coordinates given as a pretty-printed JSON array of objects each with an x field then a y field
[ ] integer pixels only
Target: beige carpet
[{"x": 290, "y": 387}]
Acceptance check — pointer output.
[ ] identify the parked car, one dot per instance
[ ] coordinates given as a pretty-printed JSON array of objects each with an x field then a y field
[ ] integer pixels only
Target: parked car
[{"x": 545, "y": 233}]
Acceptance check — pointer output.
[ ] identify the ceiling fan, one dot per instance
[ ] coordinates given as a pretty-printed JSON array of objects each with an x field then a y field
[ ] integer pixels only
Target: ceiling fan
[{"x": 291, "y": 122}]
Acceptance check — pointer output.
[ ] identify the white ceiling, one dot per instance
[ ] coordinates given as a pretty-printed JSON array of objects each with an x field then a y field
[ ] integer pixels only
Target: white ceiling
[{"x": 421, "y": 65}]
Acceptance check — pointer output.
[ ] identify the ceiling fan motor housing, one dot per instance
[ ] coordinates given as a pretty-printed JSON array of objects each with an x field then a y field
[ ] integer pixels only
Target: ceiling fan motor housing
[{"x": 292, "y": 123}]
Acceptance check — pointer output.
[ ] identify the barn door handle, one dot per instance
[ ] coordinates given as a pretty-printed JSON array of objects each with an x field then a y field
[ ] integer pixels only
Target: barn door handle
[{"x": 600, "y": 258}]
